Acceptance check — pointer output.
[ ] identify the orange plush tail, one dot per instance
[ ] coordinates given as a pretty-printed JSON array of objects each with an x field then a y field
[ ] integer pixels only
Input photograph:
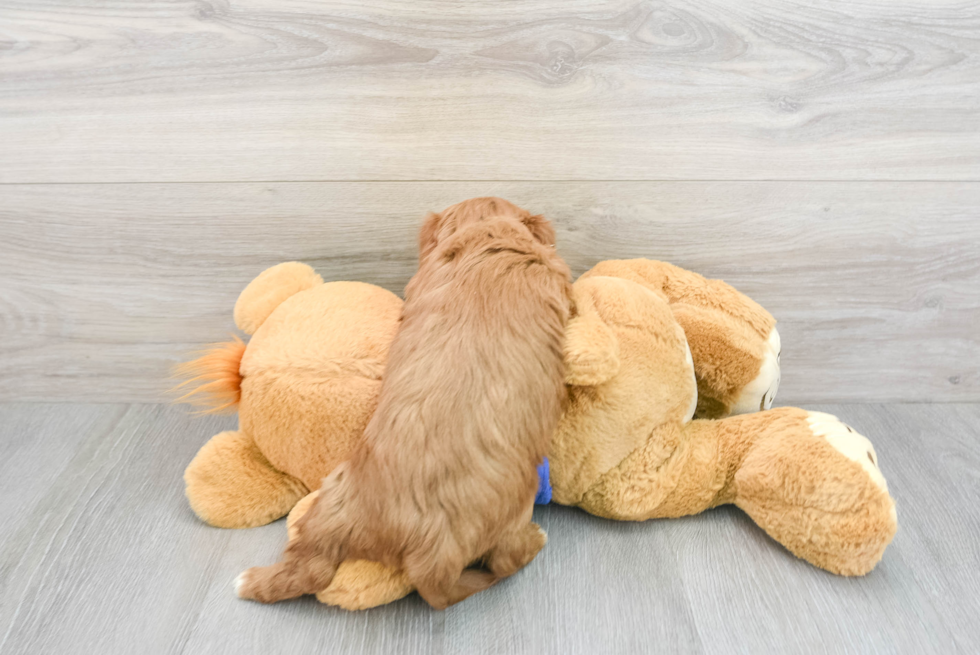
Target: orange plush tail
[{"x": 215, "y": 376}]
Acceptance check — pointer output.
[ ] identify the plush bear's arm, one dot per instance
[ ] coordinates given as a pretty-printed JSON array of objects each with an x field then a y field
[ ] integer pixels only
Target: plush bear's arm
[
  {"x": 683, "y": 286},
  {"x": 591, "y": 348},
  {"x": 736, "y": 369},
  {"x": 733, "y": 340},
  {"x": 268, "y": 290}
]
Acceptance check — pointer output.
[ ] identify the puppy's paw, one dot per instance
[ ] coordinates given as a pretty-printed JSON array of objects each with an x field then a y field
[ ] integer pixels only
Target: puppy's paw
[
  {"x": 543, "y": 536},
  {"x": 536, "y": 539},
  {"x": 245, "y": 585},
  {"x": 241, "y": 584}
]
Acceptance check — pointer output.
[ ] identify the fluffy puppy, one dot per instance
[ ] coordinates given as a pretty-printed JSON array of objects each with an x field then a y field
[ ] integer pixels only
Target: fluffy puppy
[{"x": 473, "y": 389}]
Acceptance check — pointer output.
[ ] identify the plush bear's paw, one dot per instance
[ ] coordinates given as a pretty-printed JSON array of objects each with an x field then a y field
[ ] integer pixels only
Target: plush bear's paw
[
  {"x": 847, "y": 441},
  {"x": 758, "y": 394}
]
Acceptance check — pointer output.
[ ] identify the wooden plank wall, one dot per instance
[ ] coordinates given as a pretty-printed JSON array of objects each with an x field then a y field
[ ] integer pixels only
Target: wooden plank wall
[
  {"x": 246, "y": 90},
  {"x": 874, "y": 285},
  {"x": 823, "y": 157}
]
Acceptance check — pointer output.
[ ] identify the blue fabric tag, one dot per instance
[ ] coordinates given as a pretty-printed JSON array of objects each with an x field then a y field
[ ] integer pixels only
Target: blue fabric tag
[{"x": 544, "y": 484}]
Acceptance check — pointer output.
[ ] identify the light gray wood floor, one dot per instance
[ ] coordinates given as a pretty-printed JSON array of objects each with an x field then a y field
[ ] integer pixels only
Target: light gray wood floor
[{"x": 99, "y": 553}]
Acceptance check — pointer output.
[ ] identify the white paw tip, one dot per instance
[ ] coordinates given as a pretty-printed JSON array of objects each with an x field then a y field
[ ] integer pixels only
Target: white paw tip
[
  {"x": 239, "y": 583},
  {"x": 847, "y": 441}
]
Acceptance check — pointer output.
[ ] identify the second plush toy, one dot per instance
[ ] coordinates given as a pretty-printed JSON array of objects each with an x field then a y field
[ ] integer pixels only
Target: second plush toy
[{"x": 653, "y": 346}]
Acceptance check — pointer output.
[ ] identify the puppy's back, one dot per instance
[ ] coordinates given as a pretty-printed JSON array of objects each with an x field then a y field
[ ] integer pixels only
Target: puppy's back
[{"x": 474, "y": 384}]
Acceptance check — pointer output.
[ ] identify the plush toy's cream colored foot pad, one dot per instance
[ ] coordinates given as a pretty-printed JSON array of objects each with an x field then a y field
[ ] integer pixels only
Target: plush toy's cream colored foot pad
[
  {"x": 848, "y": 442},
  {"x": 758, "y": 394}
]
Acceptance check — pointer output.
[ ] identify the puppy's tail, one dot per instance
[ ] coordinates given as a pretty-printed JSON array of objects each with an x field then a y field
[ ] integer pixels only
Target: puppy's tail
[{"x": 216, "y": 383}]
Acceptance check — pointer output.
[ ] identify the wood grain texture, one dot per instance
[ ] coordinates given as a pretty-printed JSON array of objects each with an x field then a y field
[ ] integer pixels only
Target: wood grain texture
[
  {"x": 104, "y": 287},
  {"x": 104, "y": 556},
  {"x": 254, "y": 90}
]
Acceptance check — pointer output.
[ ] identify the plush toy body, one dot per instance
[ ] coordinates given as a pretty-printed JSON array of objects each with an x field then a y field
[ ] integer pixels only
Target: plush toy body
[{"x": 653, "y": 346}]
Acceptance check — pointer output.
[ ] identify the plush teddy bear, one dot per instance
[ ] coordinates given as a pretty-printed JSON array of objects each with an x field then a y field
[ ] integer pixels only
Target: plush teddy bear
[{"x": 652, "y": 346}]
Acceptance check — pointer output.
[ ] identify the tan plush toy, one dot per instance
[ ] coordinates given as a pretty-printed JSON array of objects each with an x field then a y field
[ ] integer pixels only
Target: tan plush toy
[{"x": 652, "y": 346}]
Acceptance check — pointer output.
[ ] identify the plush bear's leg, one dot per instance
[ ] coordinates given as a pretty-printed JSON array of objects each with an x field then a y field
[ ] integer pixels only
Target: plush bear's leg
[
  {"x": 231, "y": 485},
  {"x": 814, "y": 485},
  {"x": 359, "y": 584},
  {"x": 805, "y": 478},
  {"x": 686, "y": 469},
  {"x": 636, "y": 489}
]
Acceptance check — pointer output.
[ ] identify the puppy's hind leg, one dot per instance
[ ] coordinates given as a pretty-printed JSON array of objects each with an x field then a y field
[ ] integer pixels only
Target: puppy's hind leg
[
  {"x": 296, "y": 575},
  {"x": 443, "y": 582},
  {"x": 309, "y": 562},
  {"x": 515, "y": 550}
]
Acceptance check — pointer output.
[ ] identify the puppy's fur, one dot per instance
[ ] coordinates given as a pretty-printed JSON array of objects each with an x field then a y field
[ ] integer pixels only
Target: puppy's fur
[{"x": 472, "y": 392}]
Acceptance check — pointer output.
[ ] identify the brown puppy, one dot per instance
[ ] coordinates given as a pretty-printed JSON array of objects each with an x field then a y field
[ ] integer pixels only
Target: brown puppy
[{"x": 472, "y": 392}]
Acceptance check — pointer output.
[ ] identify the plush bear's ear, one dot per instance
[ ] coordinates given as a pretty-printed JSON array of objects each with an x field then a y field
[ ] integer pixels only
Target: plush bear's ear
[
  {"x": 269, "y": 290},
  {"x": 540, "y": 229}
]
